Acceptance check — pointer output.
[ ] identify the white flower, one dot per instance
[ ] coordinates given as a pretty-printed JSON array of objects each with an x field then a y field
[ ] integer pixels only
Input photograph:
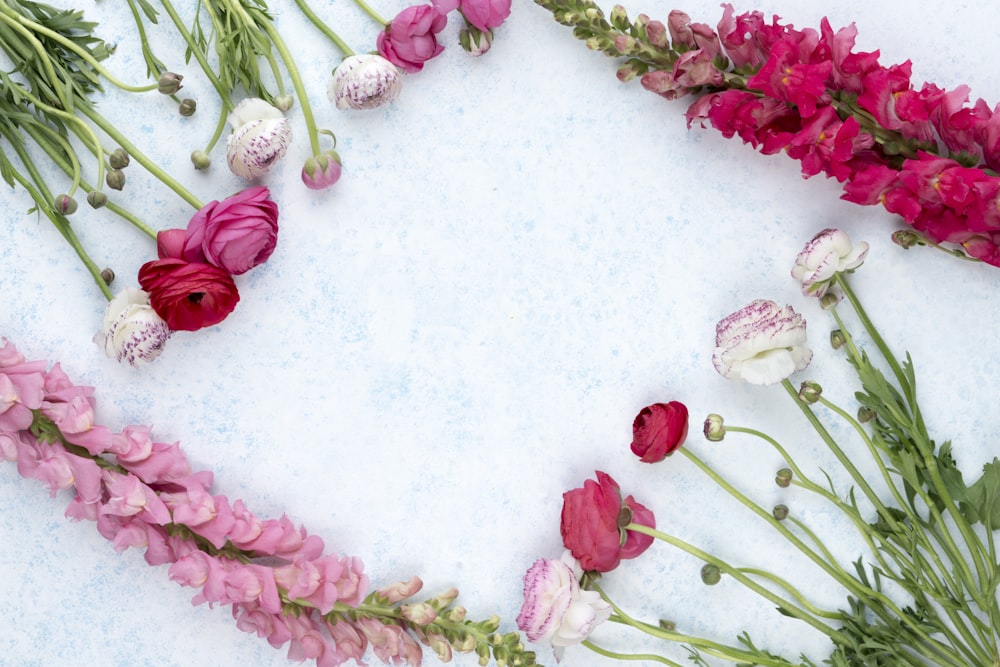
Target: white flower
[
  {"x": 761, "y": 343},
  {"x": 830, "y": 252},
  {"x": 132, "y": 330},
  {"x": 260, "y": 137},
  {"x": 555, "y": 608},
  {"x": 365, "y": 81}
]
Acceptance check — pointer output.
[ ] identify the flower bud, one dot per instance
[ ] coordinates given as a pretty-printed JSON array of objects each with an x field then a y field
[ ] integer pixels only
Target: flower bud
[
  {"x": 714, "y": 428},
  {"x": 115, "y": 179},
  {"x": 284, "y": 102},
  {"x": 829, "y": 300},
  {"x": 118, "y": 159},
  {"x": 783, "y": 478},
  {"x": 200, "y": 160},
  {"x": 710, "y": 574},
  {"x": 809, "y": 392},
  {"x": 96, "y": 199},
  {"x": 780, "y": 512},
  {"x": 656, "y": 33},
  {"x": 457, "y": 615},
  {"x": 132, "y": 330},
  {"x": 669, "y": 626},
  {"x": 65, "y": 204},
  {"x": 169, "y": 83},
  {"x": 364, "y": 81},
  {"x": 837, "y": 339},
  {"x": 632, "y": 68},
  {"x": 866, "y": 414},
  {"x": 108, "y": 276},
  {"x": 187, "y": 107},
  {"x": 259, "y": 138},
  {"x": 907, "y": 238},
  {"x": 322, "y": 171},
  {"x": 476, "y": 42},
  {"x": 420, "y": 613},
  {"x": 619, "y": 18}
]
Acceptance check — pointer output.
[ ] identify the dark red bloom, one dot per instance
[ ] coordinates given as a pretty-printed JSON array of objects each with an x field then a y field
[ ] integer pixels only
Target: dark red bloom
[
  {"x": 593, "y": 520},
  {"x": 188, "y": 295},
  {"x": 659, "y": 430}
]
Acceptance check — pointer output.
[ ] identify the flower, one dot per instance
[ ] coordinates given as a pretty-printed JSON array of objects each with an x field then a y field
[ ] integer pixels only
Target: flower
[
  {"x": 476, "y": 42},
  {"x": 260, "y": 136},
  {"x": 132, "y": 330},
  {"x": 410, "y": 38},
  {"x": 322, "y": 171},
  {"x": 593, "y": 521},
  {"x": 364, "y": 81},
  {"x": 659, "y": 430},
  {"x": 555, "y": 608},
  {"x": 236, "y": 234},
  {"x": 188, "y": 295},
  {"x": 830, "y": 252},
  {"x": 761, "y": 343}
]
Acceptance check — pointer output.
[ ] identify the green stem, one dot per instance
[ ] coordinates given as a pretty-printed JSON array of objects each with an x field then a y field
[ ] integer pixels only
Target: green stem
[
  {"x": 792, "y": 590},
  {"x": 199, "y": 55},
  {"x": 142, "y": 159},
  {"x": 629, "y": 656},
  {"x": 220, "y": 126},
  {"x": 371, "y": 12},
  {"x": 324, "y": 28},
  {"x": 300, "y": 89}
]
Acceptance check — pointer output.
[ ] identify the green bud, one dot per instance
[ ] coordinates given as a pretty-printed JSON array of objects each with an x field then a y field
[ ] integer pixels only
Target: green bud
[
  {"x": 96, "y": 199},
  {"x": 624, "y": 516},
  {"x": 65, "y": 204},
  {"x": 187, "y": 107},
  {"x": 169, "y": 83},
  {"x": 200, "y": 160},
  {"x": 783, "y": 478},
  {"x": 115, "y": 179},
  {"x": 118, "y": 159},
  {"x": 780, "y": 512},
  {"x": 837, "y": 339},
  {"x": 619, "y": 18},
  {"x": 108, "y": 276},
  {"x": 714, "y": 428},
  {"x": 670, "y": 626},
  {"x": 284, "y": 102},
  {"x": 865, "y": 414},
  {"x": 457, "y": 615},
  {"x": 907, "y": 238},
  {"x": 829, "y": 300},
  {"x": 809, "y": 392},
  {"x": 710, "y": 574}
]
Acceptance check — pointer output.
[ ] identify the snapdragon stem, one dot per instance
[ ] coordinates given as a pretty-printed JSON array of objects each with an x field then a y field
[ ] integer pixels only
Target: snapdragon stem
[
  {"x": 75, "y": 48},
  {"x": 142, "y": 158},
  {"x": 199, "y": 55},
  {"x": 786, "y": 606},
  {"x": 300, "y": 89},
  {"x": 371, "y": 12},
  {"x": 324, "y": 28},
  {"x": 629, "y": 656}
]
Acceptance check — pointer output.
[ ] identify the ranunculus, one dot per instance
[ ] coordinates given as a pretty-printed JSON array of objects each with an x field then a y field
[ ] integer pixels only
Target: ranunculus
[
  {"x": 410, "y": 38},
  {"x": 761, "y": 343},
  {"x": 483, "y": 14},
  {"x": 188, "y": 295},
  {"x": 132, "y": 329},
  {"x": 322, "y": 171},
  {"x": 659, "y": 430},
  {"x": 364, "y": 81},
  {"x": 260, "y": 137},
  {"x": 555, "y": 608},
  {"x": 830, "y": 252},
  {"x": 593, "y": 521},
  {"x": 236, "y": 234}
]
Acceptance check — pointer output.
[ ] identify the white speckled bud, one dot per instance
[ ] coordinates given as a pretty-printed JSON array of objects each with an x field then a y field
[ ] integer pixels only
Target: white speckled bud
[
  {"x": 260, "y": 137},
  {"x": 365, "y": 81},
  {"x": 132, "y": 330}
]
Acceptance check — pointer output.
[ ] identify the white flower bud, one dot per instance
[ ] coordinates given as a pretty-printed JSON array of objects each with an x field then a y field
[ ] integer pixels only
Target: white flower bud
[
  {"x": 365, "y": 81},
  {"x": 132, "y": 330},
  {"x": 260, "y": 137}
]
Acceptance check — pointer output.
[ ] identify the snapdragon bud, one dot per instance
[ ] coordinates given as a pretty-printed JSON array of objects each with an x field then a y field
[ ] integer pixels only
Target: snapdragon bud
[
  {"x": 907, "y": 238},
  {"x": 65, "y": 204},
  {"x": 711, "y": 574},
  {"x": 118, "y": 159},
  {"x": 714, "y": 428},
  {"x": 187, "y": 107},
  {"x": 169, "y": 83},
  {"x": 783, "y": 478},
  {"x": 809, "y": 392},
  {"x": 115, "y": 179},
  {"x": 96, "y": 199},
  {"x": 200, "y": 160},
  {"x": 619, "y": 18}
]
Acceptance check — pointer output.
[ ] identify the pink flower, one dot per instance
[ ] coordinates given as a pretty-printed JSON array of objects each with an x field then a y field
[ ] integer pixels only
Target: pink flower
[
  {"x": 555, "y": 608},
  {"x": 659, "y": 430},
  {"x": 322, "y": 171},
  {"x": 410, "y": 38},
  {"x": 784, "y": 76},
  {"x": 391, "y": 644},
  {"x": 22, "y": 389},
  {"x": 762, "y": 343},
  {"x": 236, "y": 234},
  {"x": 485, "y": 14},
  {"x": 828, "y": 253},
  {"x": 188, "y": 295}
]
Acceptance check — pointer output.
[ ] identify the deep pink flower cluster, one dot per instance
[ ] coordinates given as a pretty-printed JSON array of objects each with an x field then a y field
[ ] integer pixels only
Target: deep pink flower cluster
[
  {"x": 928, "y": 156},
  {"x": 143, "y": 493}
]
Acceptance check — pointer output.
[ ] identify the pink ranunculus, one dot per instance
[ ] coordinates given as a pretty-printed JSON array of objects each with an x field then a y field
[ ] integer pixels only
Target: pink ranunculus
[
  {"x": 236, "y": 234},
  {"x": 485, "y": 14},
  {"x": 593, "y": 520},
  {"x": 659, "y": 430},
  {"x": 410, "y": 38},
  {"x": 170, "y": 243}
]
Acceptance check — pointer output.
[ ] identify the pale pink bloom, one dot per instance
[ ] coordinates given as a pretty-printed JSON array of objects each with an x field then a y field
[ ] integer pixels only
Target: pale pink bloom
[
  {"x": 419, "y": 613},
  {"x": 252, "y": 583},
  {"x": 351, "y": 644},
  {"x": 400, "y": 590},
  {"x": 128, "y": 496},
  {"x": 72, "y": 411},
  {"x": 391, "y": 643},
  {"x": 9, "y": 356},
  {"x": 555, "y": 608},
  {"x": 314, "y": 582},
  {"x": 165, "y": 463},
  {"x": 762, "y": 343},
  {"x": 22, "y": 389},
  {"x": 199, "y": 570},
  {"x": 8, "y": 445},
  {"x": 830, "y": 252},
  {"x": 364, "y": 81},
  {"x": 246, "y": 527},
  {"x": 132, "y": 331}
]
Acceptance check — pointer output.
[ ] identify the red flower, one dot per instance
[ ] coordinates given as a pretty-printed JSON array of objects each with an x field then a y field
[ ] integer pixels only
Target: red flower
[
  {"x": 188, "y": 295},
  {"x": 659, "y": 430},
  {"x": 593, "y": 520}
]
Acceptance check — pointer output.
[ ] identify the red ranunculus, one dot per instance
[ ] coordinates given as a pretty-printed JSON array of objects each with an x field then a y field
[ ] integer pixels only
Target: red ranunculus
[
  {"x": 593, "y": 521},
  {"x": 410, "y": 39},
  {"x": 188, "y": 295},
  {"x": 235, "y": 234},
  {"x": 659, "y": 430}
]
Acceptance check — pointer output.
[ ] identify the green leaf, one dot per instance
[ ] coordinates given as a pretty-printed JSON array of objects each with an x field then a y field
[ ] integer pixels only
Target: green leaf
[{"x": 983, "y": 497}]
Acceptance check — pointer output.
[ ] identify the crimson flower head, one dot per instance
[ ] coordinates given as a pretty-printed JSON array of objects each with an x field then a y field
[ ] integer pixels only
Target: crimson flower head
[
  {"x": 410, "y": 39},
  {"x": 659, "y": 430},
  {"x": 188, "y": 295},
  {"x": 593, "y": 524}
]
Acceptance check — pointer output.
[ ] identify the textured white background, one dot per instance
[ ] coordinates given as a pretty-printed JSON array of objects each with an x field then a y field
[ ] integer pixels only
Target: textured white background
[{"x": 522, "y": 253}]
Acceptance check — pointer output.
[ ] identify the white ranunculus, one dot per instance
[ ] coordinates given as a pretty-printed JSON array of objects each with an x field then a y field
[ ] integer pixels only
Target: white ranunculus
[
  {"x": 555, "y": 608},
  {"x": 762, "y": 343},
  {"x": 364, "y": 81},
  {"x": 132, "y": 331},
  {"x": 830, "y": 252},
  {"x": 261, "y": 135}
]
